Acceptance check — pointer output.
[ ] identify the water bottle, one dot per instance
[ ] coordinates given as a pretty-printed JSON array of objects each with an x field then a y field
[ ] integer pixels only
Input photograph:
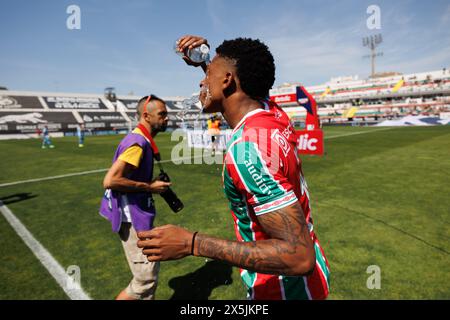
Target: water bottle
[{"x": 198, "y": 54}]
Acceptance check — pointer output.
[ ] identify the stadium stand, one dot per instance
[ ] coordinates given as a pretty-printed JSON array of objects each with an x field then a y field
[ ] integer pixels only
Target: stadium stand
[
  {"x": 23, "y": 114},
  {"x": 348, "y": 100},
  {"x": 342, "y": 100}
]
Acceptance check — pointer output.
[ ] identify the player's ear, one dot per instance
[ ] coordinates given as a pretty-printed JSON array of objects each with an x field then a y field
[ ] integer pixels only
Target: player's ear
[
  {"x": 145, "y": 115},
  {"x": 229, "y": 84},
  {"x": 228, "y": 78}
]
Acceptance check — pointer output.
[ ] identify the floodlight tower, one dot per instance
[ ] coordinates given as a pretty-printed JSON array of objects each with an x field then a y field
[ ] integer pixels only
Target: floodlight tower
[{"x": 372, "y": 42}]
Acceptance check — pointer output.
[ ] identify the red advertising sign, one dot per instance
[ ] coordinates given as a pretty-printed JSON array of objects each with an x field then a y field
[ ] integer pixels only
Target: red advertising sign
[
  {"x": 310, "y": 142},
  {"x": 307, "y": 101},
  {"x": 284, "y": 99}
]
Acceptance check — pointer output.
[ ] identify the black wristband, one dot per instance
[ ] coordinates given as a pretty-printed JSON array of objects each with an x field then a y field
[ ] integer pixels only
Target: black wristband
[{"x": 193, "y": 241}]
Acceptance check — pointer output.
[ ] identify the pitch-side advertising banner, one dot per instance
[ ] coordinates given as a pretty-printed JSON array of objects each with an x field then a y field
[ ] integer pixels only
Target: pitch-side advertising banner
[{"x": 310, "y": 142}]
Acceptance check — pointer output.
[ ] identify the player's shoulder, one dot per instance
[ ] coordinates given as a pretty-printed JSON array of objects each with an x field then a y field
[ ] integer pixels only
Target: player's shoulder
[
  {"x": 271, "y": 116},
  {"x": 263, "y": 125}
]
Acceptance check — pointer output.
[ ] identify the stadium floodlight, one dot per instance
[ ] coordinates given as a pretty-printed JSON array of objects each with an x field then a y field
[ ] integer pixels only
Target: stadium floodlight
[{"x": 372, "y": 42}]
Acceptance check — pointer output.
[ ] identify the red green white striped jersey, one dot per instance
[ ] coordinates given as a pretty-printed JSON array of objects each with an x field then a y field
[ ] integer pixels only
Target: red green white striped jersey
[{"x": 262, "y": 173}]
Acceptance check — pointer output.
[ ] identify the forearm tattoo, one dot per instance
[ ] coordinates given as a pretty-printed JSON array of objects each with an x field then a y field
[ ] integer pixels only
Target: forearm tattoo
[{"x": 289, "y": 241}]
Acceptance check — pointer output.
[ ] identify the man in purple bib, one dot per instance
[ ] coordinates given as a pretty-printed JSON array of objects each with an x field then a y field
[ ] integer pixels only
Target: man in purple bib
[{"x": 128, "y": 203}]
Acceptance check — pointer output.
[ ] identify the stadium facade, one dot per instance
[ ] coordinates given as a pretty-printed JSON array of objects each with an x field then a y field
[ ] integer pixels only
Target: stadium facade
[
  {"x": 342, "y": 100},
  {"x": 23, "y": 113}
]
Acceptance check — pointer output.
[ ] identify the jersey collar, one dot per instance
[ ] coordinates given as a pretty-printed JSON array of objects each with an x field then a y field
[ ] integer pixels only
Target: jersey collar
[{"x": 248, "y": 115}]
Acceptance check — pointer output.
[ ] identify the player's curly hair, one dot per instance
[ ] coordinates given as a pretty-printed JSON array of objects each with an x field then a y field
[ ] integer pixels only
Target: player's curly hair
[{"x": 254, "y": 63}]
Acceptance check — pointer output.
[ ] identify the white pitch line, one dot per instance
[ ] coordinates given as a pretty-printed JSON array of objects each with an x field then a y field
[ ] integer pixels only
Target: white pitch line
[
  {"x": 51, "y": 178},
  {"x": 355, "y": 133},
  {"x": 70, "y": 287},
  {"x": 164, "y": 161},
  {"x": 78, "y": 173}
]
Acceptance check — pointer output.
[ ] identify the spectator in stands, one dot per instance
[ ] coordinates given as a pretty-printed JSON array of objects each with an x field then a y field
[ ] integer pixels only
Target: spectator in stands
[
  {"x": 128, "y": 201},
  {"x": 46, "y": 139}
]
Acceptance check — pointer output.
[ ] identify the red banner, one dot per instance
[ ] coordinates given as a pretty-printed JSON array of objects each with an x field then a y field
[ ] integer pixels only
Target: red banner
[
  {"x": 285, "y": 99},
  {"x": 310, "y": 142},
  {"x": 307, "y": 101}
]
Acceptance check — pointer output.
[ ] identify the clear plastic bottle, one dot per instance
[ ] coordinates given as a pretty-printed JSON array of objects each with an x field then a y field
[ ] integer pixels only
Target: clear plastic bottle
[{"x": 198, "y": 54}]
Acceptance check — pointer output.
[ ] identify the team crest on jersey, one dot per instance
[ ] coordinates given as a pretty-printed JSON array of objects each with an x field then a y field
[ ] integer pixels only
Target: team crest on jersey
[
  {"x": 281, "y": 141},
  {"x": 277, "y": 115}
]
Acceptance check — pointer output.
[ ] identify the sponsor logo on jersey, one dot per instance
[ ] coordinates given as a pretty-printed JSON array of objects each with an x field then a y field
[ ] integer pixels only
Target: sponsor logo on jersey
[
  {"x": 281, "y": 141},
  {"x": 257, "y": 177}
]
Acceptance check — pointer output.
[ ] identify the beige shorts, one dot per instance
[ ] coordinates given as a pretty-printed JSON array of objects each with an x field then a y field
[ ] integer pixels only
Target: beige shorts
[{"x": 145, "y": 273}]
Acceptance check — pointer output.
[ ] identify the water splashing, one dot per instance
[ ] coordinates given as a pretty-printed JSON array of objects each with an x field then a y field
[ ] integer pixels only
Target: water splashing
[{"x": 187, "y": 105}]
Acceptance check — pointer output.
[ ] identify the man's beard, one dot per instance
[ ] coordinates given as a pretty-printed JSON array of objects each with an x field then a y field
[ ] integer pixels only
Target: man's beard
[{"x": 157, "y": 128}]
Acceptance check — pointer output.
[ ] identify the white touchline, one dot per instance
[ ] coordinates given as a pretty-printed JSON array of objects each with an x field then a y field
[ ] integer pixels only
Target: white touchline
[
  {"x": 164, "y": 161},
  {"x": 53, "y": 267},
  {"x": 355, "y": 133},
  {"x": 51, "y": 178},
  {"x": 77, "y": 174}
]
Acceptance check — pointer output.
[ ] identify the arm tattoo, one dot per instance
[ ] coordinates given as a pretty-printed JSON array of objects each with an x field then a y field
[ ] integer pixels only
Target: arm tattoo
[{"x": 289, "y": 243}]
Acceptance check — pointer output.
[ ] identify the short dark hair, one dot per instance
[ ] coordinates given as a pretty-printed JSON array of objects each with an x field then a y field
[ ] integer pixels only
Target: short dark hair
[
  {"x": 142, "y": 101},
  {"x": 254, "y": 63}
]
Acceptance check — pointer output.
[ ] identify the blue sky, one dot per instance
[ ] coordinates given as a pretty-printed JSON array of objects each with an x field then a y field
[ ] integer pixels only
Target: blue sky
[{"x": 129, "y": 44}]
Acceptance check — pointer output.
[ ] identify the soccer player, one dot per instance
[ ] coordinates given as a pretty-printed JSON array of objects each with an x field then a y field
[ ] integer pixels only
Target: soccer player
[
  {"x": 46, "y": 138},
  {"x": 128, "y": 201},
  {"x": 277, "y": 248},
  {"x": 80, "y": 135}
]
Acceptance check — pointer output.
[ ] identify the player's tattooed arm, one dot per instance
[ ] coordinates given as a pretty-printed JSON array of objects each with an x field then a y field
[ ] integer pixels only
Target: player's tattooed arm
[{"x": 289, "y": 250}]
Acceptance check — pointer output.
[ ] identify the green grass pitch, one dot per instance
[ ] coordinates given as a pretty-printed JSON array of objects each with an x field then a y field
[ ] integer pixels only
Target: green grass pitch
[{"x": 379, "y": 197}]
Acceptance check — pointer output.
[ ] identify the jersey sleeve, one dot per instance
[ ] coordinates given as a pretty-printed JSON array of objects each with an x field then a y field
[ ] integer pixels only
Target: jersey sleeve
[
  {"x": 259, "y": 178},
  {"x": 132, "y": 155}
]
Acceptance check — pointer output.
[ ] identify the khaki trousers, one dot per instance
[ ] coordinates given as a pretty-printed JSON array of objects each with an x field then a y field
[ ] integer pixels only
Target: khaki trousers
[{"x": 145, "y": 273}]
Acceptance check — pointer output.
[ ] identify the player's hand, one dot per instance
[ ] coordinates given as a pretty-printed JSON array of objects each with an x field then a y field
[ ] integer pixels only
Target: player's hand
[
  {"x": 168, "y": 242},
  {"x": 158, "y": 186},
  {"x": 188, "y": 42}
]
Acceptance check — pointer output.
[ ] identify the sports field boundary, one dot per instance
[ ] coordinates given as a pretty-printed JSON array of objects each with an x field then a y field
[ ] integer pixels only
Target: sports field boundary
[
  {"x": 7, "y": 184},
  {"x": 394, "y": 228},
  {"x": 72, "y": 289},
  {"x": 77, "y": 174},
  {"x": 356, "y": 133}
]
